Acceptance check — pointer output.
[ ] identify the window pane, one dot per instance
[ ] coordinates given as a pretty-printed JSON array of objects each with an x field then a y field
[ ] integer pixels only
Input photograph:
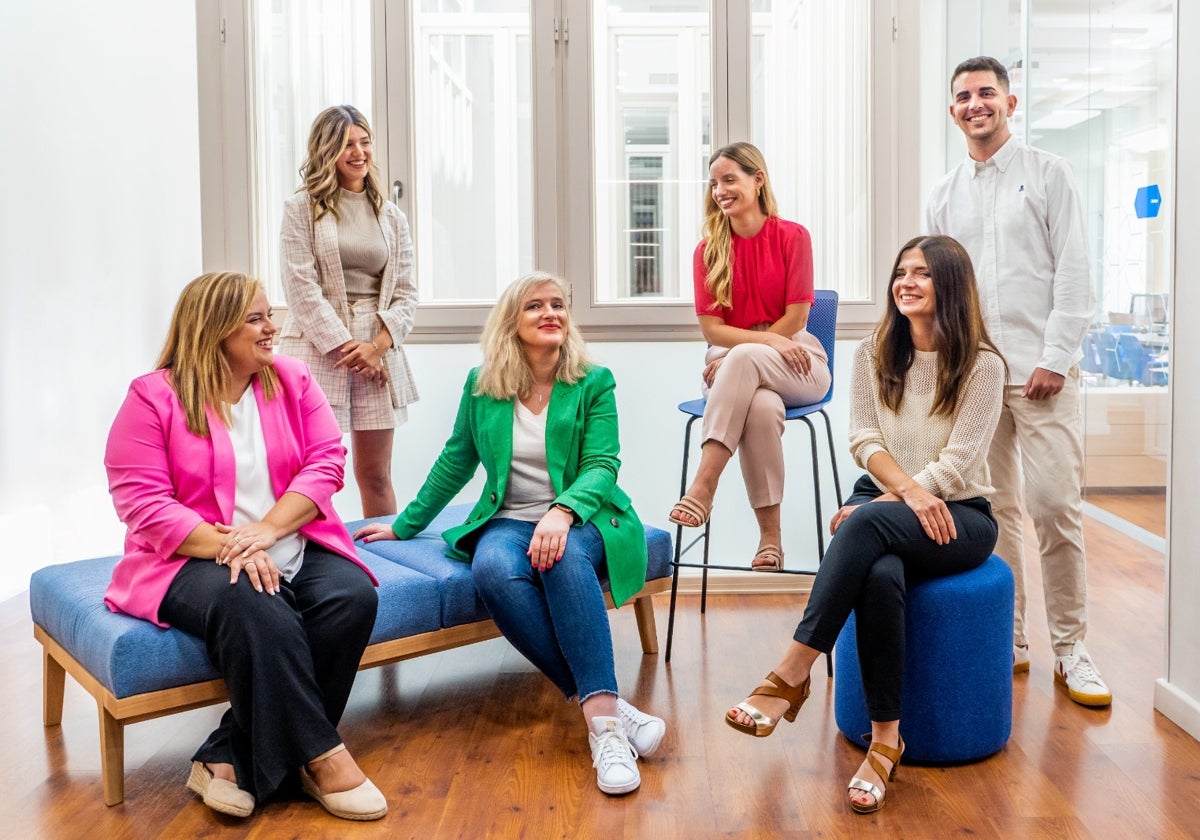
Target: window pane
[
  {"x": 473, "y": 200},
  {"x": 652, "y": 139},
  {"x": 306, "y": 55},
  {"x": 810, "y": 112}
]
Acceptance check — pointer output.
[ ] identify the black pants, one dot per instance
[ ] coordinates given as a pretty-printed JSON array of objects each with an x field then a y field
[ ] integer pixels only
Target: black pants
[
  {"x": 875, "y": 550},
  {"x": 288, "y": 660}
]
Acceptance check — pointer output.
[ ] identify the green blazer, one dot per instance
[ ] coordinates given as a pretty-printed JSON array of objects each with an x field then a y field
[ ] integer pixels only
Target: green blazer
[{"x": 581, "y": 453}]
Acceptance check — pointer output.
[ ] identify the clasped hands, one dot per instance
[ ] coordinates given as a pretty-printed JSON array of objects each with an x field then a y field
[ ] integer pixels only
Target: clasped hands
[
  {"x": 244, "y": 548},
  {"x": 795, "y": 356},
  {"x": 931, "y": 511},
  {"x": 365, "y": 359}
]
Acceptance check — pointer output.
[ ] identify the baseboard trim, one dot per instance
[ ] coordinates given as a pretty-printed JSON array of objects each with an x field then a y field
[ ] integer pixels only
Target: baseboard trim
[
  {"x": 1177, "y": 705},
  {"x": 745, "y": 583}
]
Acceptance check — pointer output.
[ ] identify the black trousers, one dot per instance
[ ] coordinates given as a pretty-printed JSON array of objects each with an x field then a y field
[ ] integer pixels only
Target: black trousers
[
  {"x": 288, "y": 660},
  {"x": 870, "y": 558}
]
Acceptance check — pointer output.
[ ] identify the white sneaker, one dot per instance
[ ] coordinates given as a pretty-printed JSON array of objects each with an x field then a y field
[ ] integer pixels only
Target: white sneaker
[
  {"x": 1083, "y": 681},
  {"x": 1020, "y": 659},
  {"x": 645, "y": 732},
  {"x": 613, "y": 756}
]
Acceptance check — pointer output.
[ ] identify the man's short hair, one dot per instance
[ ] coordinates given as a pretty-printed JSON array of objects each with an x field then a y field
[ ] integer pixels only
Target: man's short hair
[{"x": 981, "y": 63}]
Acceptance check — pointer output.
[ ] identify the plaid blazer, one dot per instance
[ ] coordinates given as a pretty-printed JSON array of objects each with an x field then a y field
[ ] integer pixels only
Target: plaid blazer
[{"x": 318, "y": 312}]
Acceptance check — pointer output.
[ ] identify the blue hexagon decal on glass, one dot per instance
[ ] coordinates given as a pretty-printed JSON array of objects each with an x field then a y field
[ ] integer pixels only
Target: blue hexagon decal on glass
[{"x": 1147, "y": 202}]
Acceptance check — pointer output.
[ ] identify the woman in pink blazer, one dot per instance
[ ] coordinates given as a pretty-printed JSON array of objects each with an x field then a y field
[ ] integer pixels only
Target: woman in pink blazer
[{"x": 222, "y": 464}]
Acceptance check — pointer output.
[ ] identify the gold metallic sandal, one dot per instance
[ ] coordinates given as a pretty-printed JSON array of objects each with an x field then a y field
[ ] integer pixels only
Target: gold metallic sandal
[
  {"x": 892, "y": 754},
  {"x": 773, "y": 686}
]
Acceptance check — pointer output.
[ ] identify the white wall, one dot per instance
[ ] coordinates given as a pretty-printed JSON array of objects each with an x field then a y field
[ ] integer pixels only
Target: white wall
[
  {"x": 99, "y": 230},
  {"x": 1177, "y": 695}
]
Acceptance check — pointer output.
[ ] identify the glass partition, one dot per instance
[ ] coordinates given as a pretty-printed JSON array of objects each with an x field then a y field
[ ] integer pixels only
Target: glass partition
[{"x": 1094, "y": 82}]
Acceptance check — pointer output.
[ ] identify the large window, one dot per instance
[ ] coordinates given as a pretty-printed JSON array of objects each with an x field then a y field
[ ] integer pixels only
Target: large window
[
  {"x": 565, "y": 135},
  {"x": 811, "y": 116},
  {"x": 652, "y": 117},
  {"x": 472, "y": 117},
  {"x": 305, "y": 57}
]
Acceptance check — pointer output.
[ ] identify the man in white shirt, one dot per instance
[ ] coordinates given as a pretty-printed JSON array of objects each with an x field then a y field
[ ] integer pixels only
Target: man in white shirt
[{"x": 1016, "y": 211}]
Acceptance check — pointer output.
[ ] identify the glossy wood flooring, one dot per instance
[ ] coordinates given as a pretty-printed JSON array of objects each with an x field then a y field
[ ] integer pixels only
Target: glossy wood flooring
[
  {"x": 1147, "y": 511},
  {"x": 473, "y": 743}
]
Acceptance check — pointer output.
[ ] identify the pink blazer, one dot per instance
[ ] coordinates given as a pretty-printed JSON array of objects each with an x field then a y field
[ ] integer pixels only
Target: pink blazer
[{"x": 165, "y": 481}]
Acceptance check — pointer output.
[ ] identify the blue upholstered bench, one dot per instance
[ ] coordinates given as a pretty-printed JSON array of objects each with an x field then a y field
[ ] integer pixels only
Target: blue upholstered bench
[
  {"x": 956, "y": 701},
  {"x": 137, "y": 671}
]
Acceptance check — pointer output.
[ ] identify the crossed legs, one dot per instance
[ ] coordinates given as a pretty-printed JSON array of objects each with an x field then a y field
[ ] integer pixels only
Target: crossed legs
[{"x": 745, "y": 414}]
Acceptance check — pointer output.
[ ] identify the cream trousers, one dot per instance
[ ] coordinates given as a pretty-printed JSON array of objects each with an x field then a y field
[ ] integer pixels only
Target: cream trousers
[
  {"x": 746, "y": 405},
  {"x": 1037, "y": 456}
]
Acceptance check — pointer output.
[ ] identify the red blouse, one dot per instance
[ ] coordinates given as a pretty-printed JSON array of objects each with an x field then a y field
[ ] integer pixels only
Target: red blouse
[{"x": 771, "y": 270}]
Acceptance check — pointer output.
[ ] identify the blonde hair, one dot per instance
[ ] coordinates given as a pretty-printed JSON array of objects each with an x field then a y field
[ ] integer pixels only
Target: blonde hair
[
  {"x": 326, "y": 141},
  {"x": 505, "y": 373},
  {"x": 717, "y": 231},
  {"x": 210, "y": 309}
]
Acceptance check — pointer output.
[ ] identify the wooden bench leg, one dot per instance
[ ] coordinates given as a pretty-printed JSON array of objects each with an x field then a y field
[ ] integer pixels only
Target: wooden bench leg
[
  {"x": 643, "y": 608},
  {"x": 112, "y": 756},
  {"x": 54, "y": 678}
]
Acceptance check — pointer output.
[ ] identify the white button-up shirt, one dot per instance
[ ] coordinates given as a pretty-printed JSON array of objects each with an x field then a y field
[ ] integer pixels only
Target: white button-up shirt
[{"x": 1020, "y": 218}]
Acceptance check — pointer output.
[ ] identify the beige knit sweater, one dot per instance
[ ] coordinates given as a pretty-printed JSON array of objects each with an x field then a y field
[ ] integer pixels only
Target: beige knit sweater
[{"x": 945, "y": 455}]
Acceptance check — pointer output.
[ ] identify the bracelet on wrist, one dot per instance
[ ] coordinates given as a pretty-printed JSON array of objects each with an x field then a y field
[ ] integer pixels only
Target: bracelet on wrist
[{"x": 574, "y": 516}]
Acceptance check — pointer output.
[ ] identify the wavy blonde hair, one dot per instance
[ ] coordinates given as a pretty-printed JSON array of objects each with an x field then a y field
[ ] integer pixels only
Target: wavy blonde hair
[
  {"x": 210, "y": 309},
  {"x": 505, "y": 373},
  {"x": 717, "y": 231},
  {"x": 326, "y": 141}
]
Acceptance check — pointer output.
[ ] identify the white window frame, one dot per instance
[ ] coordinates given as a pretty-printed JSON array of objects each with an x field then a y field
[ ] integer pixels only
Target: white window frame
[{"x": 563, "y": 145}]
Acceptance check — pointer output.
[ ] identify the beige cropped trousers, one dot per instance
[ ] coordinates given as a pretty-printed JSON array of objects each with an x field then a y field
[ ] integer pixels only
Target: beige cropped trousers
[{"x": 746, "y": 404}]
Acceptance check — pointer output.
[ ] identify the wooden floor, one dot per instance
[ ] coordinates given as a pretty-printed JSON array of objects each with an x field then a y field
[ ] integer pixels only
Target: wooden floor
[
  {"x": 1147, "y": 511},
  {"x": 473, "y": 743}
]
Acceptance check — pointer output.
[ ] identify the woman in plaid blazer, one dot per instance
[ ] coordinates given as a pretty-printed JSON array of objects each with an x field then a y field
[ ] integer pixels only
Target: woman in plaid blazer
[{"x": 347, "y": 263}]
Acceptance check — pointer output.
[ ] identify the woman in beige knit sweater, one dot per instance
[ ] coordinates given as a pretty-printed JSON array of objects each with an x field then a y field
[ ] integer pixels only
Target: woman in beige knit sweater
[
  {"x": 348, "y": 275},
  {"x": 924, "y": 403}
]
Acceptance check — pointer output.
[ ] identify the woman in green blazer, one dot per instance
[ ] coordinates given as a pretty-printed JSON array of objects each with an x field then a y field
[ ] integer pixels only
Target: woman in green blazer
[{"x": 543, "y": 422}]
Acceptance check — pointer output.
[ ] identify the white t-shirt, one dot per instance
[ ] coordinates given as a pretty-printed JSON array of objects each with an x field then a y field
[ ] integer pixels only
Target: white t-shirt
[
  {"x": 253, "y": 495},
  {"x": 529, "y": 493}
]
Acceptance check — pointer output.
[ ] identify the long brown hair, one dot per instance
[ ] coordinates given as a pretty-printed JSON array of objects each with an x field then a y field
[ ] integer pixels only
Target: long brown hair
[
  {"x": 717, "y": 231},
  {"x": 505, "y": 372},
  {"x": 210, "y": 309},
  {"x": 326, "y": 142},
  {"x": 959, "y": 331}
]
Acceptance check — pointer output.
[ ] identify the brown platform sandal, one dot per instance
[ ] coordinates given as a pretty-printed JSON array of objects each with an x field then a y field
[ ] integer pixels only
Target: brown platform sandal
[
  {"x": 892, "y": 754},
  {"x": 772, "y": 554},
  {"x": 773, "y": 686},
  {"x": 690, "y": 506}
]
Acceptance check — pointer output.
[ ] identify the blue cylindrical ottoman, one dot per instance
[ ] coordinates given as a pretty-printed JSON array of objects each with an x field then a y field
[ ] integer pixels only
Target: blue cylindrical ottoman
[{"x": 956, "y": 703}]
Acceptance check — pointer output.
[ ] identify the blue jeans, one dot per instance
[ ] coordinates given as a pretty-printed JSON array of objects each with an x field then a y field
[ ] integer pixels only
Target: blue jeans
[{"x": 557, "y": 619}]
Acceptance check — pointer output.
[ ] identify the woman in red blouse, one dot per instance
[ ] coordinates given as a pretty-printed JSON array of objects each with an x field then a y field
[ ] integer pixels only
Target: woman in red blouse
[{"x": 754, "y": 287}]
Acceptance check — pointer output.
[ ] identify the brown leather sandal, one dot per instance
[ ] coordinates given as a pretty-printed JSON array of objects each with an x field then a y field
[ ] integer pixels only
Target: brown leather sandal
[
  {"x": 773, "y": 686},
  {"x": 892, "y": 754}
]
